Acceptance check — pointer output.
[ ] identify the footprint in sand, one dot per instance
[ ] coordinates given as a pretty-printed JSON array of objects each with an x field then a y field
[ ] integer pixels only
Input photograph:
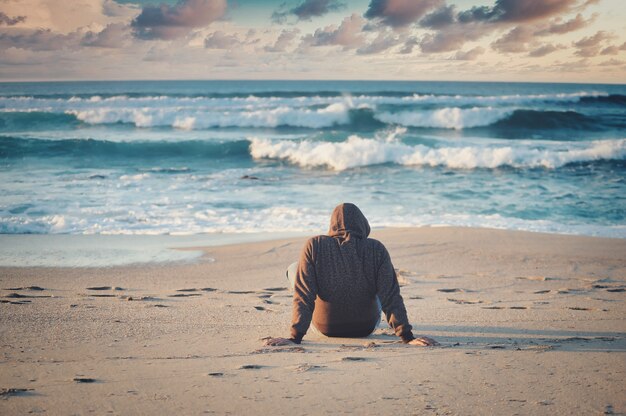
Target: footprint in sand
[
  {"x": 187, "y": 290},
  {"x": 104, "y": 288},
  {"x": 492, "y": 307},
  {"x": 262, "y": 308},
  {"x": 365, "y": 347},
  {"x": 13, "y": 391},
  {"x": 275, "y": 289},
  {"x": 20, "y": 296},
  {"x": 535, "y": 278},
  {"x": 84, "y": 380},
  {"x": 240, "y": 292},
  {"x": 36, "y": 288},
  {"x": 139, "y": 298},
  {"x": 184, "y": 295},
  {"x": 540, "y": 292},
  {"x": 306, "y": 367},
  {"x": 16, "y": 302},
  {"x": 518, "y": 307},
  {"x": 453, "y": 290},
  {"x": 464, "y": 301},
  {"x": 354, "y": 359},
  {"x": 578, "y": 308},
  {"x": 250, "y": 367}
]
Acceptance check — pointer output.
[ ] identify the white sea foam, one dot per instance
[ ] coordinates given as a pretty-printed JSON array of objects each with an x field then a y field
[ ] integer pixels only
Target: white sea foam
[
  {"x": 448, "y": 118},
  {"x": 274, "y": 220},
  {"x": 333, "y": 114},
  {"x": 165, "y": 101},
  {"x": 358, "y": 151}
]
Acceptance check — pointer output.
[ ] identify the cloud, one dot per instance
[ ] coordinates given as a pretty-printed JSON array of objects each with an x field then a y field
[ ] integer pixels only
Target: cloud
[
  {"x": 308, "y": 9},
  {"x": 470, "y": 55},
  {"x": 515, "y": 40},
  {"x": 283, "y": 41},
  {"x": 382, "y": 42},
  {"x": 591, "y": 45},
  {"x": 171, "y": 22},
  {"x": 10, "y": 21},
  {"x": 398, "y": 13},
  {"x": 518, "y": 11},
  {"x": 112, "y": 8},
  {"x": 612, "y": 62},
  {"x": 348, "y": 34},
  {"x": 613, "y": 49},
  {"x": 610, "y": 50},
  {"x": 38, "y": 40},
  {"x": 452, "y": 38},
  {"x": 442, "y": 17},
  {"x": 452, "y": 29},
  {"x": 518, "y": 38},
  {"x": 22, "y": 57},
  {"x": 558, "y": 27},
  {"x": 408, "y": 46},
  {"x": 115, "y": 35},
  {"x": 68, "y": 16},
  {"x": 544, "y": 50},
  {"x": 221, "y": 40}
]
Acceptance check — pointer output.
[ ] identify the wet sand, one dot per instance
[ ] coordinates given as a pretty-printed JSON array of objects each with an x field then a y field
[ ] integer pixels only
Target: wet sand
[{"x": 528, "y": 324}]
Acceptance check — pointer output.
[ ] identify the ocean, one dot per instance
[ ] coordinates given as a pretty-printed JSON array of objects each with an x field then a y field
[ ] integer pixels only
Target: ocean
[{"x": 195, "y": 157}]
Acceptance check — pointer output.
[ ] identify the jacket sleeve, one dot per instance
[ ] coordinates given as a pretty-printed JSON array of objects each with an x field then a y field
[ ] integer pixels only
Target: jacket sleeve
[
  {"x": 305, "y": 292},
  {"x": 390, "y": 298}
]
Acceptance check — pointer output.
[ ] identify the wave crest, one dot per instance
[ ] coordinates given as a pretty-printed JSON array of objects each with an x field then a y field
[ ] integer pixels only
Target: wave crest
[
  {"x": 358, "y": 151},
  {"x": 334, "y": 114},
  {"x": 447, "y": 118}
]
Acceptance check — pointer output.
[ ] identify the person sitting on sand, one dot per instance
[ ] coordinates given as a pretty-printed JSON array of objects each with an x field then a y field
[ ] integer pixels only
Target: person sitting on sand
[{"x": 342, "y": 282}]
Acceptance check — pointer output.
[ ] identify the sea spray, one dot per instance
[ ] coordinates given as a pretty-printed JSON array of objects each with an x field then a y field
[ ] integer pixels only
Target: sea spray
[{"x": 360, "y": 152}]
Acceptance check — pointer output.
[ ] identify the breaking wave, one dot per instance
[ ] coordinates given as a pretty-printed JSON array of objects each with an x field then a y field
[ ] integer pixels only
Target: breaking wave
[
  {"x": 359, "y": 152},
  {"x": 314, "y": 111},
  {"x": 332, "y": 116}
]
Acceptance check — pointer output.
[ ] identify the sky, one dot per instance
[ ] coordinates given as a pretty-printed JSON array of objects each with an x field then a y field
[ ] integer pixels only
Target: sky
[{"x": 456, "y": 40}]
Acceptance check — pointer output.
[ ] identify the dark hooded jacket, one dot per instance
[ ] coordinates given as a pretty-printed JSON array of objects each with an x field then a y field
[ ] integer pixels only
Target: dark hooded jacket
[{"x": 339, "y": 276}]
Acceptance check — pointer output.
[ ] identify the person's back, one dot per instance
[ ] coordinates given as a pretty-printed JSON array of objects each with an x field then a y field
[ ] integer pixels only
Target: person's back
[
  {"x": 346, "y": 264},
  {"x": 342, "y": 282},
  {"x": 341, "y": 278}
]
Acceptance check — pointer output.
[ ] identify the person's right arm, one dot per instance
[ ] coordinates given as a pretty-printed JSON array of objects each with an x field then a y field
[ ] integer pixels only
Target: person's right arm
[{"x": 305, "y": 292}]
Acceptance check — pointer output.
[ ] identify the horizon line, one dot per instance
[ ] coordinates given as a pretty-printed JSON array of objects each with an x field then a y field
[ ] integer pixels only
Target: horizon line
[{"x": 15, "y": 81}]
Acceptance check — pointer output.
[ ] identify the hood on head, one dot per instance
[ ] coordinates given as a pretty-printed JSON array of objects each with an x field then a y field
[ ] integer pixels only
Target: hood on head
[{"x": 347, "y": 221}]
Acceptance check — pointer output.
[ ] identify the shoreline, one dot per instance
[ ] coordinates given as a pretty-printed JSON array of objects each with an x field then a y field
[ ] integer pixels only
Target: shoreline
[
  {"x": 137, "y": 250},
  {"x": 529, "y": 324}
]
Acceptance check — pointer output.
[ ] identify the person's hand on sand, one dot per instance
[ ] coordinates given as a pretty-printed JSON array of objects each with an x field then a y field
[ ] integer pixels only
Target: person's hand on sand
[
  {"x": 277, "y": 342},
  {"x": 424, "y": 342}
]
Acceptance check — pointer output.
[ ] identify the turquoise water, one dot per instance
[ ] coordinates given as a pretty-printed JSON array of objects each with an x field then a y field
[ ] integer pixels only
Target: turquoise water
[{"x": 194, "y": 157}]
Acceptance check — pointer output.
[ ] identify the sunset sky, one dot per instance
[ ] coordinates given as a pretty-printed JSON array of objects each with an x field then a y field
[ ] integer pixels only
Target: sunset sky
[{"x": 496, "y": 40}]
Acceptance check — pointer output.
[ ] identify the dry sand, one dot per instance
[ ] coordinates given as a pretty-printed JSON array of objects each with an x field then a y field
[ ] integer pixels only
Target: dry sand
[{"x": 529, "y": 324}]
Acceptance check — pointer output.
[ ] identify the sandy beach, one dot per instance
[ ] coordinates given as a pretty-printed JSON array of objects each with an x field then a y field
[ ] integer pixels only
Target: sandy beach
[{"x": 528, "y": 323}]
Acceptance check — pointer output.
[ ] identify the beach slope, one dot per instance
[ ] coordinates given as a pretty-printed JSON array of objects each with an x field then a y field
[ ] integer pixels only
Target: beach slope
[{"x": 528, "y": 323}]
